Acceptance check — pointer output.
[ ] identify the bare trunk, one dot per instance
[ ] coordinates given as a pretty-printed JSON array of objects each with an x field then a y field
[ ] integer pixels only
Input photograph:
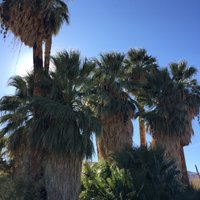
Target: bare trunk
[
  {"x": 47, "y": 53},
  {"x": 62, "y": 177},
  {"x": 143, "y": 142},
  {"x": 38, "y": 68},
  {"x": 35, "y": 164},
  {"x": 185, "y": 178},
  {"x": 115, "y": 134},
  {"x": 36, "y": 170}
]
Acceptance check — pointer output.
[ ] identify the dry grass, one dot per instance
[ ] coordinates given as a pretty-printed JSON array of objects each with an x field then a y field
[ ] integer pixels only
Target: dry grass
[{"x": 196, "y": 183}]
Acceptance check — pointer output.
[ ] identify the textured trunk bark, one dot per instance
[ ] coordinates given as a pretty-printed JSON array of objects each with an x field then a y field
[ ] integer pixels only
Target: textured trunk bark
[
  {"x": 62, "y": 177},
  {"x": 21, "y": 158},
  {"x": 173, "y": 150},
  {"x": 153, "y": 142},
  {"x": 115, "y": 134},
  {"x": 172, "y": 147},
  {"x": 47, "y": 53},
  {"x": 35, "y": 169},
  {"x": 143, "y": 142},
  {"x": 185, "y": 178},
  {"x": 38, "y": 68}
]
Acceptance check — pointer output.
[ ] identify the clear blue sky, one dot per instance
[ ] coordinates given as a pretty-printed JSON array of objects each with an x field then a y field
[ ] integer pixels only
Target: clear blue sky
[{"x": 168, "y": 30}]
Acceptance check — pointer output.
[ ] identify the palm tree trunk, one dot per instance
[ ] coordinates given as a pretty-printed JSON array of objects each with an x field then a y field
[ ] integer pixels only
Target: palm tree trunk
[
  {"x": 47, "y": 53},
  {"x": 62, "y": 177},
  {"x": 185, "y": 178},
  {"x": 38, "y": 68},
  {"x": 171, "y": 145},
  {"x": 143, "y": 142},
  {"x": 35, "y": 160},
  {"x": 174, "y": 151},
  {"x": 115, "y": 134}
]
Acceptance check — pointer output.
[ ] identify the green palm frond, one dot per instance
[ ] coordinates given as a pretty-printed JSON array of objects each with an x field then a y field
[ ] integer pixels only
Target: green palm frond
[
  {"x": 153, "y": 175},
  {"x": 65, "y": 122},
  {"x": 172, "y": 97},
  {"x": 109, "y": 87},
  {"x": 139, "y": 64},
  {"x": 16, "y": 116},
  {"x": 56, "y": 12},
  {"x": 105, "y": 181}
]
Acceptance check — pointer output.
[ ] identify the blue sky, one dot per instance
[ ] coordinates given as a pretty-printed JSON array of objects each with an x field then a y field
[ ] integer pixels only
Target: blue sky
[{"x": 168, "y": 30}]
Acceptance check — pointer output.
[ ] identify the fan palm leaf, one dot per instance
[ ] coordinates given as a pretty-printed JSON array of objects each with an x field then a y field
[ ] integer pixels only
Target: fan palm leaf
[
  {"x": 138, "y": 65},
  {"x": 114, "y": 106}
]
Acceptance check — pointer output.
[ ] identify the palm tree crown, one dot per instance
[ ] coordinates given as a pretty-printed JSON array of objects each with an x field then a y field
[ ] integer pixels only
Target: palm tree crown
[
  {"x": 65, "y": 123},
  {"x": 114, "y": 98},
  {"x": 32, "y": 21}
]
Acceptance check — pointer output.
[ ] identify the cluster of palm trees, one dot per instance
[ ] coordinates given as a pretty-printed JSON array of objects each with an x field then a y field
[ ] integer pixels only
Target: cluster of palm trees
[{"x": 49, "y": 122}]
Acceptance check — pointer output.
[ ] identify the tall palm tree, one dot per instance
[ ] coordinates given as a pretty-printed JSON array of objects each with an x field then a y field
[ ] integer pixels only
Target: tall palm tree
[
  {"x": 34, "y": 22},
  {"x": 61, "y": 134},
  {"x": 115, "y": 106},
  {"x": 168, "y": 116},
  {"x": 64, "y": 127},
  {"x": 182, "y": 75},
  {"x": 139, "y": 64}
]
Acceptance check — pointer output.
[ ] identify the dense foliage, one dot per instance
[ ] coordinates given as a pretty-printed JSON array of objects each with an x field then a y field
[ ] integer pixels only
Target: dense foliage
[{"x": 135, "y": 174}]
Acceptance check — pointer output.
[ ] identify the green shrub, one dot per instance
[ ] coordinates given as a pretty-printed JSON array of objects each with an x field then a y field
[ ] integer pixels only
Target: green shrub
[
  {"x": 135, "y": 174},
  {"x": 154, "y": 177},
  {"x": 102, "y": 181}
]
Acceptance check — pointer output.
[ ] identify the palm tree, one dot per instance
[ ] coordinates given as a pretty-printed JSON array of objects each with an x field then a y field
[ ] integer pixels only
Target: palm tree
[
  {"x": 34, "y": 22},
  {"x": 182, "y": 75},
  {"x": 61, "y": 135},
  {"x": 139, "y": 64},
  {"x": 64, "y": 127},
  {"x": 115, "y": 106},
  {"x": 168, "y": 117}
]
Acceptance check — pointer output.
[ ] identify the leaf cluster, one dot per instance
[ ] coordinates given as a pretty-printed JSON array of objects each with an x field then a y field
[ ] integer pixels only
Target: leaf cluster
[{"x": 136, "y": 174}]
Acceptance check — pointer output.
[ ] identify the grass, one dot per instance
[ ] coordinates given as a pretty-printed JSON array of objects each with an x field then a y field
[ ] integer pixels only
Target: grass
[{"x": 196, "y": 183}]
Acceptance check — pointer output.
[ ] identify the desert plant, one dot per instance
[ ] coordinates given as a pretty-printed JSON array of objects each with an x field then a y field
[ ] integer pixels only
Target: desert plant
[
  {"x": 153, "y": 176},
  {"x": 102, "y": 181},
  {"x": 135, "y": 174}
]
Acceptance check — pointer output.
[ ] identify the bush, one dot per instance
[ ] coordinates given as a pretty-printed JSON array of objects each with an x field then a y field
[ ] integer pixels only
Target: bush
[
  {"x": 154, "y": 177},
  {"x": 135, "y": 174},
  {"x": 102, "y": 181}
]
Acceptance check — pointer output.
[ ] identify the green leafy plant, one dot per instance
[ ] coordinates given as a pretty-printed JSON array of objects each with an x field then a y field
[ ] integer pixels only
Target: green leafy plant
[
  {"x": 105, "y": 181},
  {"x": 135, "y": 174}
]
